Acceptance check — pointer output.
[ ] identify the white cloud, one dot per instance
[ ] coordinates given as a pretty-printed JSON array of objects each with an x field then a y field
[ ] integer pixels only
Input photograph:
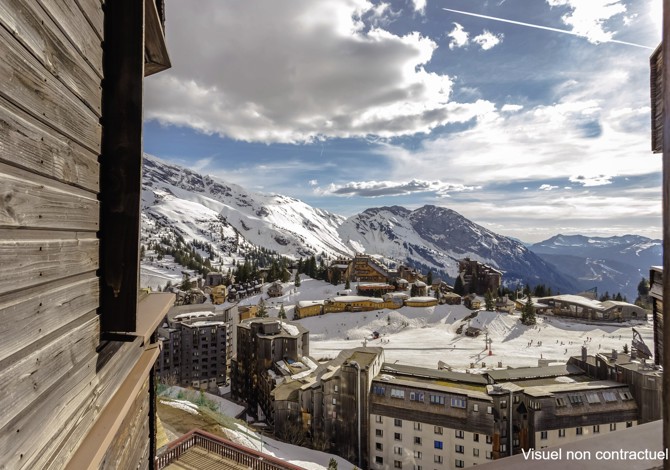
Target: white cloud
[
  {"x": 302, "y": 70},
  {"x": 313, "y": 183},
  {"x": 487, "y": 40},
  {"x": 459, "y": 37},
  {"x": 547, "y": 187},
  {"x": 420, "y": 6},
  {"x": 591, "y": 180},
  {"x": 587, "y": 18},
  {"x": 511, "y": 108},
  {"x": 392, "y": 188}
]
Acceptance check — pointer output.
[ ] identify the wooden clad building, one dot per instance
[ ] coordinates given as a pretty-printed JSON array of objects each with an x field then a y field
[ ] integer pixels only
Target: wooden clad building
[{"x": 76, "y": 341}]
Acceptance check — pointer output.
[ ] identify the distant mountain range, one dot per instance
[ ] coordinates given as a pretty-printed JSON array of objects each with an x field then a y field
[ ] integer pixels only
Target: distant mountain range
[
  {"x": 233, "y": 219},
  {"x": 612, "y": 264}
]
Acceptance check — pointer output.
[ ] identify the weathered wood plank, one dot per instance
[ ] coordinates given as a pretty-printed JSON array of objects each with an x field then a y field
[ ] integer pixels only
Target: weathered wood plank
[
  {"x": 71, "y": 20},
  {"x": 28, "y": 436},
  {"x": 31, "y": 26},
  {"x": 32, "y": 201},
  {"x": 26, "y": 83},
  {"x": 156, "y": 56},
  {"x": 30, "y": 144},
  {"x": 107, "y": 383},
  {"x": 121, "y": 163},
  {"x": 29, "y": 315},
  {"x": 92, "y": 9},
  {"x": 30, "y": 258},
  {"x": 25, "y": 380},
  {"x": 124, "y": 450}
]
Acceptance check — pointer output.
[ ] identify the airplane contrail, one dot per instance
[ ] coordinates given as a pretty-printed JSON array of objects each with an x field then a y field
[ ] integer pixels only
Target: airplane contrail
[{"x": 547, "y": 28}]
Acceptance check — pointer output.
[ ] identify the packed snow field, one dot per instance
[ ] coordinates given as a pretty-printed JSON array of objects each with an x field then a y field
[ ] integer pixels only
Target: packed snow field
[{"x": 422, "y": 336}]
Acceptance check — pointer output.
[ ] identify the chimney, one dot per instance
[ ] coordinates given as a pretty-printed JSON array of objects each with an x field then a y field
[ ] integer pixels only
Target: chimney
[
  {"x": 584, "y": 354},
  {"x": 615, "y": 355}
]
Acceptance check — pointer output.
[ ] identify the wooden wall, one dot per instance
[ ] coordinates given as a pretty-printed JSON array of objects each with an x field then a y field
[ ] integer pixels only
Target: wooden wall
[{"x": 57, "y": 378}]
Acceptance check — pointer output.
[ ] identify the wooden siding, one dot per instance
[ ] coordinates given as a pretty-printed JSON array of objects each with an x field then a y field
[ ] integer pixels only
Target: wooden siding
[{"x": 656, "y": 98}]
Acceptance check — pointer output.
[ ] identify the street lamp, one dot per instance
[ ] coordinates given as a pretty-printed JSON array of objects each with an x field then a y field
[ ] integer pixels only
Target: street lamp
[{"x": 358, "y": 401}]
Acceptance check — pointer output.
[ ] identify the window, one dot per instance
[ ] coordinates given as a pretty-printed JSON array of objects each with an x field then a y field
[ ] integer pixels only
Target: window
[
  {"x": 438, "y": 429},
  {"x": 397, "y": 464},
  {"x": 592, "y": 398},
  {"x": 489, "y": 440},
  {"x": 417, "y": 454},
  {"x": 489, "y": 409},
  {"x": 629, "y": 424},
  {"x": 459, "y": 433},
  {"x": 437, "y": 399},
  {"x": 459, "y": 449},
  {"x": 475, "y": 437},
  {"x": 517, "y": 399},
  {"x": 334, "y": 401},
  {"x": 417, "y": 426},
  {"x": 379, "y": 460},
  {"x": 397, "y": 450},
  {"x": 609, "y": 396},
  {"x": 378, "y": 419},
  {"x": 561, "y": 433},
  {"x": 438, "y": 459},
  {"x": 596, "y": 428},
  {"x": 378, "y": 390},
  {"x": 475, "y": 407},
  {"x": 503, "y": 404},
  {"x": 379, "y": 446},
  {"x": 534, "y": 405},
  {"x": 475, "y": 452},
  {"x": 416, "y": 396},
  {"x": 336, "y": 388},
  {"x": 459, "y": 463},
  {"x": 579, "y": 430},
  {"x": 543, "y": 435},
  {"x": 438, "y": 444},
  {"x": 397, "y": 422},
  {"x": 418, "y": 467},
  {"x": 379, "y": 433},
  {"x": 396, "y": 393},
  {"x": 576, "y": 399},
  {"x": 489, "y": 454},
  {"x": 458, "y": 402},
  {"x": 503, "y": 447},
  {"x": 612, "y": 426},
  {"x": 561, "y": 402},
  {"x": 625, "y": 396},
  {"x": 417, "y": 440},
  {"x": 397, "y": 436}
]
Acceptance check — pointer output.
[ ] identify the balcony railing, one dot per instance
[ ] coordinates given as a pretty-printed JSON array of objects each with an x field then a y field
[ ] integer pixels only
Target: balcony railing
[{"x": 243, "y": 456}]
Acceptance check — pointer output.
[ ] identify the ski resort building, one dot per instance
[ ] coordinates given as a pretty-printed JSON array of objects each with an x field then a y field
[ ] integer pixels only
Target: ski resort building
[
  {"x": 478, "y": 278},
  {"x": 656, "y": 295},
  {"x": 576, "y": 306}
]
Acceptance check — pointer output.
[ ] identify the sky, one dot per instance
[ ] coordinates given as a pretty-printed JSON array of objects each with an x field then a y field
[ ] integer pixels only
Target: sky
[{"x": 531, "y": 118}]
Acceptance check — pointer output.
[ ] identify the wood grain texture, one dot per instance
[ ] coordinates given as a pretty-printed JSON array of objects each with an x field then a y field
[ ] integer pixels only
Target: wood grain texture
[
  {"x": 92, "y": 9},
  {"x": 30, "y": 258},
  {"x": 74, "y": 24},
  {"x": 29, "y": 315},
  {"x": 32, "y": 145},
  {"x": 28, "y": 379},
  {"x": 32, "y": 201},
  {"x": 48, "y": 422},
  {"x": 34, "y": 29},
  {"x": 26, "y": 83}
]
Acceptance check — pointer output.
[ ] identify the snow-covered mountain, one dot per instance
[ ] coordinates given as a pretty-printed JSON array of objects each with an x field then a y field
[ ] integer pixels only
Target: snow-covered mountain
[
  {"x": 612, "y": 264},
  {"x": 231, "y": 218},
  {"x": 436, "y": 238}
]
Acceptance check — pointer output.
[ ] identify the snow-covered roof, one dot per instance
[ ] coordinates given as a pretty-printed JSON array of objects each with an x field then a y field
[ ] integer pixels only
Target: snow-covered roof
[
  {"x": 200, "y": 324},
  {"x": 290, "y": 329},
  {"x": 422, "y": 299},
  {"x": 309, "y": 303},
  {"x": 186, "y": 316},
  {"x": 357, "y": 298}
]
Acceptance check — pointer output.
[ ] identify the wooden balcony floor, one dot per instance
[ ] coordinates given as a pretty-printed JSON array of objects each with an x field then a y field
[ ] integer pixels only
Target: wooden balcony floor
[{"x": 197, "y": 458}]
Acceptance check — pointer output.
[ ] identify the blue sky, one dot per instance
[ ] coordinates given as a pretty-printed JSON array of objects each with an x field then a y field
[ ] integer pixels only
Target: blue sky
[{"x": 350, "y": 104}]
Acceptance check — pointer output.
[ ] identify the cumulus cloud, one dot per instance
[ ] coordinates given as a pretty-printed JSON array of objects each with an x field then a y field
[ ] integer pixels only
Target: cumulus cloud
[
  {"x": 547, "y": 187},
  {"x": 487, "y": 40},
  {"x": 459, "y": 37},
  {"x": 392, "y": 188},
  {"x": 592, "y": 180},
  {"x": 511, "y": 108},
  {"x": 313, "y": 183},
  {"x": 587, "y": 18},
  {"x": 300, "y": 71},
  {"x": 419, "y": 6}
]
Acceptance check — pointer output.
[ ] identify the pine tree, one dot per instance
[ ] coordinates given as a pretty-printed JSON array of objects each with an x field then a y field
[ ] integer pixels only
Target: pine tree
[
  {"x": 296, "y": 280},
  {"x": 262, "y": 311},
  {"x": 347, "y": 284},
  {"x": 336, "y": 277},
  {"x": 429, "y": 278},
  {"x": 458, "y": 286},
  {"x": 528, "y": 313},
  {"x": 332, "y": 465},
  {"x": 282, "y": 312},
  {"x": 489, "y": 302}
]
